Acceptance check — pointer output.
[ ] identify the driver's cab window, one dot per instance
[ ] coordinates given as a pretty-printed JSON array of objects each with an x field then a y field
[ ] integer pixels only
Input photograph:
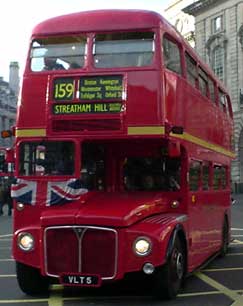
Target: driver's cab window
[
  {"x": 46, "y": 158},
  {"x": 92, "y": 171}
]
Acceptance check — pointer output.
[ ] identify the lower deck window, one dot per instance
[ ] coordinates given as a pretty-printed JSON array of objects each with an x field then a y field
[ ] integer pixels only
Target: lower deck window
[{"x": 147, "y": 174}]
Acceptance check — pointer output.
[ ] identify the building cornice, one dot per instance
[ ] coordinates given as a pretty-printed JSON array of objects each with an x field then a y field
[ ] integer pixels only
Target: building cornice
[
  {"x": 217, "y": 39},
  {"x": 198, "y": 6}
]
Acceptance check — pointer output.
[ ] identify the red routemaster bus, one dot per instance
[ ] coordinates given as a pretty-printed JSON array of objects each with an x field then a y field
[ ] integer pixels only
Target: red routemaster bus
[{"x": 123, "y": 150}]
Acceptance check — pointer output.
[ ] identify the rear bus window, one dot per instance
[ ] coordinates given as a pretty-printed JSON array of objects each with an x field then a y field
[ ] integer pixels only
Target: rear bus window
[
  {"x": 123, "y": 49},
  {"x": 58, "y": 53}
]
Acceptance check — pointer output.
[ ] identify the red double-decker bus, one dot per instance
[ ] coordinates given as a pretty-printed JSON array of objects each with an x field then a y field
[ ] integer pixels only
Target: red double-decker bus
[{"x": 123, "y": 150}]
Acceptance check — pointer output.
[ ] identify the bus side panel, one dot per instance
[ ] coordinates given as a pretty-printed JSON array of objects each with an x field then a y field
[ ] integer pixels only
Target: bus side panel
[{"x": 174, "y": 99}]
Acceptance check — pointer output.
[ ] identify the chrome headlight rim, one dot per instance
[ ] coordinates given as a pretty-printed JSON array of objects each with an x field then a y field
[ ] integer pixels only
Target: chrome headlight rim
[
  {"x": 31, "y": 242},
  {"x": 141, "y": 239}
]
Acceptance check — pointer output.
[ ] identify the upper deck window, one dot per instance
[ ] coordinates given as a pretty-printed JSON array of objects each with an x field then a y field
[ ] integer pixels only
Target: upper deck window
[
  {"x": 57, "y": 53},
  {"x": 171, "y": 55},
  {"x": 191, "y": 69},
  {"x": 211, "y": 90},
  {"x": 223, "y": 102},
  {"x": 128, "y": 49},
  {"x": 203, "y": 81}
]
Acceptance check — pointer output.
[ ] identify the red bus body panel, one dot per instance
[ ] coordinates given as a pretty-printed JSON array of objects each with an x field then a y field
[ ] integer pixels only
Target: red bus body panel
[{"x": 155, "y": 100}]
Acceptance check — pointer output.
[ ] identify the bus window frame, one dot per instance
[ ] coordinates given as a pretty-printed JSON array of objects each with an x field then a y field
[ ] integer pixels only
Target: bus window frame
[
  {"x": 203, "y": 75},
  {"x": 36, "y": 38},
  {"x": 214, "y": 98},
  {"x": 171, "y": 39},
  {"x": 225, "y": 106},
  {"x": 76, "y": 172},
  {"x": 190, "y": 162},
  {"x": 193, "y": 61},
  {"x": 208, "y": 164},
  {"x": 91, "y": 53}
]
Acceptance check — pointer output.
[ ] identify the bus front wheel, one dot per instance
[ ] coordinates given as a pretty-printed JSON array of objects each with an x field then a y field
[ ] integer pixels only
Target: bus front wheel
[
  {"x": 30, "y": 280},
  {"x": 169, "y": 277}
]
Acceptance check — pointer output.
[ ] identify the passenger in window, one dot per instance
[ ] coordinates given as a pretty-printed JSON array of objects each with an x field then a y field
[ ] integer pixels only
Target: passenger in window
[
  {"x": 52, "y": 64},
  {"x": 74, "y": 66}
]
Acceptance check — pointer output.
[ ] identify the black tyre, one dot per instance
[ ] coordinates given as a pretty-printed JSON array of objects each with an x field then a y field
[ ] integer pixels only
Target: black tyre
[
  {"x": 30, "y": 280},
  {"x": 169, "y": 278},
  {"x": 225, "y": 239}
]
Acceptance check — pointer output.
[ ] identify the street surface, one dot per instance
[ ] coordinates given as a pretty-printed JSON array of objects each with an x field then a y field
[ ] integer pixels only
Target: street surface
[{"x": 219, "y": 284}]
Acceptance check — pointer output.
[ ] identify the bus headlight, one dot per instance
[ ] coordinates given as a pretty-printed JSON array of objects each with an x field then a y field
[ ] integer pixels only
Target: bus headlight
[
  {"x": 25, "y": 241},
  {"x": 142, "y": 246}
]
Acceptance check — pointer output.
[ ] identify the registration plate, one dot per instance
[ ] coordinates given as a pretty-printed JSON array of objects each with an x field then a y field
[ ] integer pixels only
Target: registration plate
[{"x": 84, "y": 280}]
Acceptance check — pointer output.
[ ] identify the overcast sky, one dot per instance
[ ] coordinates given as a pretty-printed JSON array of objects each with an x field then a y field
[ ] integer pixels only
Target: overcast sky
[{"x": 18, "y": 17}]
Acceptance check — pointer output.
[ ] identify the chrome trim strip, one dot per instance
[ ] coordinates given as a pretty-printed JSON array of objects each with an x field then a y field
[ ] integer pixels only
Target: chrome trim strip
[{"x": 85, "y": 228}]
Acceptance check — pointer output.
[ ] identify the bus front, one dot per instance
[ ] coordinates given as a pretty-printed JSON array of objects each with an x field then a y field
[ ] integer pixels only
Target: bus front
[{"x": 99, "y": 190}]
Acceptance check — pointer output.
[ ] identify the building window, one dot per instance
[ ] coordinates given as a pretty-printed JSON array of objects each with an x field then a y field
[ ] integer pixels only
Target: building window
[
  {"x": 218, "y": 62},
  {"x": 217, "y": 24}
]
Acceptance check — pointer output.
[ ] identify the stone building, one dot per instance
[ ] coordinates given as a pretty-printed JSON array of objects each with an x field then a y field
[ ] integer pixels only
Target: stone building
[
  {"x": 219, "y": 42},
  {"x": 183, "y": 22},
  {"x": 8, "y": 102}
]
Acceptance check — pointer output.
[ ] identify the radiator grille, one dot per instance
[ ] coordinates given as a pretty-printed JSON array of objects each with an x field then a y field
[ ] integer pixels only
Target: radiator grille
[{"x": 78, "y": 249}]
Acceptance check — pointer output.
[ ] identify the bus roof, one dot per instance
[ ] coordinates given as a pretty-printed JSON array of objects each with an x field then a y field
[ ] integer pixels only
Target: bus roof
[
  {"x": 112, "y": 20},
  {"x": 99, "y": 20}
]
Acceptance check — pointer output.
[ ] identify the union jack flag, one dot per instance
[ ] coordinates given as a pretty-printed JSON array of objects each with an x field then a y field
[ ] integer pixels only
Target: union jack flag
[
  {"x": 47, "y": 193},
  {"x": 24, "y": 191}
]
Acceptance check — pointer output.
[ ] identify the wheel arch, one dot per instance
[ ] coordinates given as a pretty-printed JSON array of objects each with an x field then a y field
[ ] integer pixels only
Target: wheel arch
[{"x": 178, "y": 231}]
